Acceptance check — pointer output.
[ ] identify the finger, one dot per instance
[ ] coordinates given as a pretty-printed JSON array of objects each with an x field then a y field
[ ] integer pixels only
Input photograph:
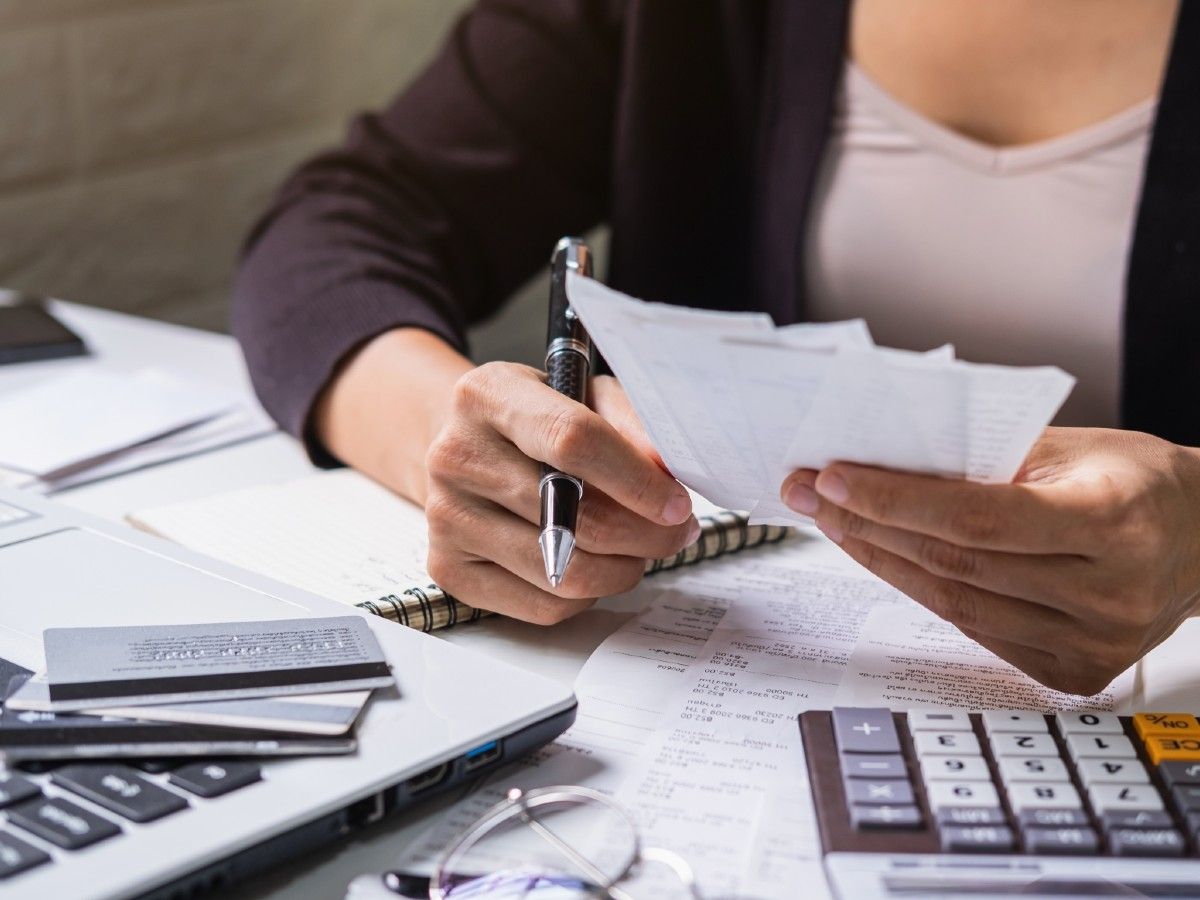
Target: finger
[
  {"x": 488, "y": 532},
  {"x": 992, "y": 614},
  {"x": 1040, "y": 665},
  {"x": 503, "y": 475},
  {"x": 1022, "y": 518},
  {"x": 485, "y": 585},
  {"x": 1057, "y": 581},
  {"x": 550, "y": 428},
  {"x": 611, "y": 402}
]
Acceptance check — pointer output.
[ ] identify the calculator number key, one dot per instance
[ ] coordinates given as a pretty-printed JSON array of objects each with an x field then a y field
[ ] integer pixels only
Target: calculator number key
[
  {"x": 1032, "y": 768},
  {"x": 1023, "y": 744},
  {"x": 1110, "y": 797},
  {"x": 1043, "y": 795},
  {"x": 955, "y": 768},
  {"x": 1088, "y": 722},
  {"x": 950, "y": 794},
  {"x": 1112, "y": 771},
  {"x": 1100, "y": 746},
  {"x": 945, "y": 743}
]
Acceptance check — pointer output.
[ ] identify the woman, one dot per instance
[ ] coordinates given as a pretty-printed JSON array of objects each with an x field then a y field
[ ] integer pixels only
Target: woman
[{"x": 1017, "y": 178}]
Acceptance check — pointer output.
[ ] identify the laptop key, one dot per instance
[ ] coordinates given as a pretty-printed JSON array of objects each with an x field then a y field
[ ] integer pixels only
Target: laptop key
[
  {"x": 212, "y": 779},
  {"x": 14, "y": 788},
  {"x": 61, "y": 822},
  {"x": 17, "y": 856},
  {"x": 121, "y": 790}
]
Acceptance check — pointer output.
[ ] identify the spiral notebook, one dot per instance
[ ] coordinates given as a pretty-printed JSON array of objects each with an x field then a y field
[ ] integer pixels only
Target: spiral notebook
[{"x": 341, "y": 535}]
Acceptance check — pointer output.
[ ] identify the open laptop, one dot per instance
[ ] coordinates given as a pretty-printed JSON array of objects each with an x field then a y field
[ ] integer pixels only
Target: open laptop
[{"x": 454, "y": 716}]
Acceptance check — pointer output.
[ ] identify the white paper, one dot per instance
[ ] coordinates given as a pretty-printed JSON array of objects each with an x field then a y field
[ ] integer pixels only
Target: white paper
[
  {"x": 337, "y": 534},
  {"x": 909, "y": 658},
  {"x": 53, "y": 427},
  {"x": 734, "y": 405}
]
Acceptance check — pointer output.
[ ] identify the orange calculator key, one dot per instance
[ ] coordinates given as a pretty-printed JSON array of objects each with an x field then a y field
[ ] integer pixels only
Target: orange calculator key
[
  {"x": 1154, "y": 724},
  {"x": 1162, "y": 749}
]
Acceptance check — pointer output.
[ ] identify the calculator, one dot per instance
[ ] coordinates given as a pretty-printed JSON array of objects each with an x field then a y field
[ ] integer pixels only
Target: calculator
[{"x": 951, "y": 803}]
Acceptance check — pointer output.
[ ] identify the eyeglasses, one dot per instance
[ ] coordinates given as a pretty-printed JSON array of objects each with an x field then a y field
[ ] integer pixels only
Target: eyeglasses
[{"x": 552, "y": 843}]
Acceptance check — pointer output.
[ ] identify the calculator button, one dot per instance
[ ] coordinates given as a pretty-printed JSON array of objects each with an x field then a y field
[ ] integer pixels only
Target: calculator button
[
  {"x": 1180, "y": 772},
  {"x": 865, "y": 730},
  {"x": 894, "y": 792},
  {"x": 1142, "y": 818},
  {"x": 121, "y": 790},
  {"x": 1000, "y": 721},
  {"x": 17, "y": 856},
  {"x": 1023, "y": 745},
  {"x": 1162, "y": 749},
  {"x": 1112, "y": 771},
  {"x": 945, "y": 743},
  {"x": 1145, "y": 842},
  {"x": 938, "y": 720},
  {"x": 212, "y": 779},
  {"x": 862, "y": 817},
  {"x": 977, "y": 839},
  {"x": 947, "y": 794},
  {"x": 1187, "y": 798},
  {"x": 1032, "y": 768},
  {"x": 14, "y": 788},
  {"x": 1043, "y": 795},
  {"x": 1052, "y": 818},
  {"x": 61, "y": 822},
  {"x": 1166, "y": 725},
  {"x": 1100, "y": 746},
  {"x": 1063, "y": 841},
  {"x": 955, "y": 768},
  {"x": 873, "y": 765},
  {"x": 970, "y": 815},
  {"x": 1108, "y": 797},
  {"x": 1088, "y": 722},
  {"x": 1193, "y": 823}
]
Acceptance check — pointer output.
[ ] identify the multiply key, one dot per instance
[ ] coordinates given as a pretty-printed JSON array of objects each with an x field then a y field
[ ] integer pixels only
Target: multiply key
[
  {"x": 15, "y": 788},
  {"x": 895, "y": 792},
  {"x": 865, "y": 730}
]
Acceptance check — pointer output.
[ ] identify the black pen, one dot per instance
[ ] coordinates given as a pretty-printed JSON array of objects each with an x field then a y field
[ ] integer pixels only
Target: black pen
[{"x": 568, "y": 364}]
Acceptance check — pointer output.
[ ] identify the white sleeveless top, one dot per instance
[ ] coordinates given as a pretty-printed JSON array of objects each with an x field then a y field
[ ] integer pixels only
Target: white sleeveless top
[{"x": 1014, "y": 255}]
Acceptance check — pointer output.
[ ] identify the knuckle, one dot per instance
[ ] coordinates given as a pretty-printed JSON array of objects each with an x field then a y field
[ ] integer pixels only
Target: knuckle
[
  {"x": 568, "y": 436},
  {"x": 442, "y": 568},
  {"x": 946, "y": 559},
  {"x": 955, "y": 604},
  {"x": 976, "y": 519},
  {"x": 447, "y": 455},
  {"x": 855, "y": 526}
]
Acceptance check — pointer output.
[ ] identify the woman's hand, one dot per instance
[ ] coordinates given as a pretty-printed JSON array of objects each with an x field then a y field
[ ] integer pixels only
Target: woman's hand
[
  {"x": 482, "y": 498},
  {"x": 1072, "y": 573}
]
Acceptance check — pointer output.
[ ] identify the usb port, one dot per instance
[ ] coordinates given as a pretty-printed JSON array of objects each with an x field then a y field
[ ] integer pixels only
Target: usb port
[
  {"x": 481, "y": 755},
  {"x": 430, "y": 778}
]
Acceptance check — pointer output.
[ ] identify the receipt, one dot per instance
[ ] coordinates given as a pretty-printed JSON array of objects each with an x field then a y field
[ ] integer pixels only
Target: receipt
[{"x": 733, "y": 404}]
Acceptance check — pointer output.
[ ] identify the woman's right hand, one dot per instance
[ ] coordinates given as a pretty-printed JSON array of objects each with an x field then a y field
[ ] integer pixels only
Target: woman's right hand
[
  {"x": 482, "y": 504},
  {"x": 413, "y": 413}
]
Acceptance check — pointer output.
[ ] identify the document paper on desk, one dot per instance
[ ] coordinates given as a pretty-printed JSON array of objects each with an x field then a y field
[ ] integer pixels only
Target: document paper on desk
[
  {"x": 734, "y": 404},
  {"x": 687, "y": 714}
]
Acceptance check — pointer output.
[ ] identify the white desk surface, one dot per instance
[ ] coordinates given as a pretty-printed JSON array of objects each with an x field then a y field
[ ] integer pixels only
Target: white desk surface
[{"x": 558, "y": 652}]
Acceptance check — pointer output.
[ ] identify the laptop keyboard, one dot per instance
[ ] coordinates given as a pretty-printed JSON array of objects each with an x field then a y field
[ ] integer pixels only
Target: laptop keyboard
[{"x": 93, "y": 800}]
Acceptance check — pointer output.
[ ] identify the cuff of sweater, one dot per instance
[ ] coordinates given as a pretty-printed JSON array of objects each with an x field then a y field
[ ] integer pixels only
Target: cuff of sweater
[{"x": 293, "y": 357}]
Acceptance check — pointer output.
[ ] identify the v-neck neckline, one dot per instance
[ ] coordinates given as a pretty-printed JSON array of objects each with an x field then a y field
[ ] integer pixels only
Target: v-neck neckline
[{"x": 1002, "y": 160}]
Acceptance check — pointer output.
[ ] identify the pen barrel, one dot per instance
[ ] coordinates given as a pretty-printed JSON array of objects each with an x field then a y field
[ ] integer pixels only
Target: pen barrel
[
  {"x": 564, "y": 328},
  {"x": 560, "y": 495},
  {"x": 567, "y": 372}
]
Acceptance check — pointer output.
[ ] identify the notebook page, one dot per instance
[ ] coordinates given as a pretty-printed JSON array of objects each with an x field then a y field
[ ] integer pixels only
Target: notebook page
[{"x": 337, "y": 534}]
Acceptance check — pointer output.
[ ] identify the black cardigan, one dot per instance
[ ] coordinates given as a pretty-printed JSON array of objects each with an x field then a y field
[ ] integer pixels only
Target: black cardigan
[{"x": 695, "y": 128}]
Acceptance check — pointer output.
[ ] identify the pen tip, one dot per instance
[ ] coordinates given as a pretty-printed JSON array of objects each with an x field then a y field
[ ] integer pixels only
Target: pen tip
[{"x": 557, "y": 545}]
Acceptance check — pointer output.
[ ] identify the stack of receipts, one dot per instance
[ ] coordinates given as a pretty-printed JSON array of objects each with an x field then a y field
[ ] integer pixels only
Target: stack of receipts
[
  {"x": 94, "y": 421},
  {"x": 734, "y": 404}
]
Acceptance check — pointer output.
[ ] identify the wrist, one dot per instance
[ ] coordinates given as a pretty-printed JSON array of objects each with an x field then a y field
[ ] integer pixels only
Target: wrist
[{"x": 386, "y": 403}]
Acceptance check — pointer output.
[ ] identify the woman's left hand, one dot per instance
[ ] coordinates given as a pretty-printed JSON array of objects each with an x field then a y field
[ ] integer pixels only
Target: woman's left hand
[{"x": 1071, "y": 573}]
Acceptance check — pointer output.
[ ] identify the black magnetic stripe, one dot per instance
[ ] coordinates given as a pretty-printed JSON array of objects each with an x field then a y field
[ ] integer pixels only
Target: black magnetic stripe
[{"x": 181, "y": 684}]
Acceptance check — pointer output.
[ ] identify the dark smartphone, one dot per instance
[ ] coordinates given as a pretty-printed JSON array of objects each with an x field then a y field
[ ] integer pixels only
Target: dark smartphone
[{"x": 28, "y": 332}]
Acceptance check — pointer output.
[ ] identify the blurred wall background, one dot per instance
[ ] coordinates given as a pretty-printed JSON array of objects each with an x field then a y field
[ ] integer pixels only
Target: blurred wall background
[{"x": 140, "y": 138}]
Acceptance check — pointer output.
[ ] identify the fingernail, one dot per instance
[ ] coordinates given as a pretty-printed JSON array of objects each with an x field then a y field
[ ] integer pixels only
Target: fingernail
[
  {"x": 833, "y": 487},
  {"x": 802, "y": 499},
  {"x": 678, "y": 508},
  {"x": 693, "y": 534},
  {"x": 831, "y": 531}
]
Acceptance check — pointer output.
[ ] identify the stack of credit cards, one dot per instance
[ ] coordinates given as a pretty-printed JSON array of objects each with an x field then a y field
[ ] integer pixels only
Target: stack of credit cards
[{"x": 275, "y": 688}]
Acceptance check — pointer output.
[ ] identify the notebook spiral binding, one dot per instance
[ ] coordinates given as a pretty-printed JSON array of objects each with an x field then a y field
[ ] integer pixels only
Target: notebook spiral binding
[{"x": 428, "y": 608}]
